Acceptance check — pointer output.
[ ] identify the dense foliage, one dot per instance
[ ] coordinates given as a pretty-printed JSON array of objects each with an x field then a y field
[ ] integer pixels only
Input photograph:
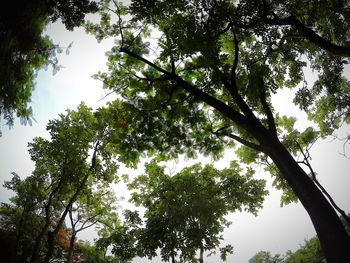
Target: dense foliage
[
  {"x": 199, "y": 76},
  {"x": 185, "y": 213},
  {"x": 72, "y": 177},
  {"x": 191, "y": 77}
]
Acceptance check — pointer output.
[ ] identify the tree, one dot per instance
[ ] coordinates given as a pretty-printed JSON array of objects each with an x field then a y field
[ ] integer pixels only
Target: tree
[
  {"x": 76, "y": 159},
  {"x": 266, "y": 257},
  {"x": 68, "y": 168},
  {"x": 24, "y": 49},
  {"x": 185, "y": 213},
  {"x": 209, "y": 79},
  {"x": 21, "y": 216},
  {"x": 121, "y": 237},
  {"x": 310, "y": 251},
  {"x": 91, "y": 207}
]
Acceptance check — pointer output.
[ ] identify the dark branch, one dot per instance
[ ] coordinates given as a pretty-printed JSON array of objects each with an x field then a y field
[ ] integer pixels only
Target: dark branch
[
  {"x": 120, "y": 21},
  {"x": 233, "y": 89},
  {"x": 246, "y": 143},
  {"x": 132, "y": 54},
  {"x": 306, "y": 156},
  {"x": 306, "y": 32},
  {"x": 221, "y": 132},
  {"x": 227, "y": 111},
  {"x": 267, "y": 110},
  {"x": 235, "y": 61}
]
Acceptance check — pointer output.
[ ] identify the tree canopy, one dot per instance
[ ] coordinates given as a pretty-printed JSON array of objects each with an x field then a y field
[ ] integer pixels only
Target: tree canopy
[
  {"x": 185, "y": 213},
  {"x": 72, "y": 176},
  {"x": 191, "y": 77},
  {"x": 199, "y": 77}
]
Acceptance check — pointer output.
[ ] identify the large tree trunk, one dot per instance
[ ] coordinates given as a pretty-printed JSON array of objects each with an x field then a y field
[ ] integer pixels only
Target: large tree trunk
[{"x": 334, "y": 240}]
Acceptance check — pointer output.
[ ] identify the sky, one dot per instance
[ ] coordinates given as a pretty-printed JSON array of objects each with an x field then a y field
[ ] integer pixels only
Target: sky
[{"x": 275, "y": 228}]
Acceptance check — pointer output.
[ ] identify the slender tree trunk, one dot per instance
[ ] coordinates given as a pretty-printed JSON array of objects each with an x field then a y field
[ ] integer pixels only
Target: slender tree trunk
[
  {"x": 201, "y": 252},
  {"x": 50, "y": 245},
  {"x": 19, "y": 234},
  {"x": 334, "y": 240},
  {"x": 71, "y": 247},
  {"x": 37, "y": 244}
]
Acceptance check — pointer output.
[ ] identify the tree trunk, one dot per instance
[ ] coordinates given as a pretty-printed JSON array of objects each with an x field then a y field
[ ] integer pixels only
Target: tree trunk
[
  {"x": 52, "y": 234},
  {"x": 201, "y": 252},
  {"x": 334, "y": 240},
  {"x": 35, "y": 251},
  {"x": 18, "y": 241},
  {"x": 50, "y": 246},
  {"x": 71, "y": 248}
]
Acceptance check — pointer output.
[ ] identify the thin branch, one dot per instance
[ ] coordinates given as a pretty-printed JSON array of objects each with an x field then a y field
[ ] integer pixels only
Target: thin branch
[
  {"x": 233, "y": 89},
  {"x": 220, "y": 132},
  {"x": 249, "y": 144},
  {"x": 227, "y": 28},
  {"x": 106, "y": 95},
  {"x": 108, "y": 8},
  {"x": 89, "y": 219},
  {"x": 119, "y": 23},
  {"x": 235, "y": 61},
  {"x": 319, "y": 185},
  {"x": 132, "y": 54}
]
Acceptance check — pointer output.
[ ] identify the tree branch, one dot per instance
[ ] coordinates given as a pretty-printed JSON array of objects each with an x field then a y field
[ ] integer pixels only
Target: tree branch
[
  {"x": 219, "y": 132},
  {"x": 306, "y": 32},
  {"x": 267, "y": 110},
  {"x": 233, "y": 89},
  {"x": 227, "y": 111},
  {"x": 319, "y": 185},
  {"x": 249, "y": 144}
]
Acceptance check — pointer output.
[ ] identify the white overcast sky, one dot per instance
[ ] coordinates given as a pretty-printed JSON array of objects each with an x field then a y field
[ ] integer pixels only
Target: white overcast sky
[{"x": 275, "y": 229}]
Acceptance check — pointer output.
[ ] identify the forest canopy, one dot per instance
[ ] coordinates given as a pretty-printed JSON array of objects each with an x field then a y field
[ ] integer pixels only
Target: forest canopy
[{"x": 191, "y": 78}]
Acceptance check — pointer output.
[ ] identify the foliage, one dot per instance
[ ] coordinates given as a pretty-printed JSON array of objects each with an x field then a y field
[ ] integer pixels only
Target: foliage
[
  {"x": 266, "y": 257},
  {"x": 121, "y": 237},
  {"x": 72, "y": 174},
  {"x": 24, "y": 49},
  {"x": 204, "y": 78},
  {"x": 186, "y": 212},
  {"x": 170, "y": 117},
  {"x": 310, "y": 251}
]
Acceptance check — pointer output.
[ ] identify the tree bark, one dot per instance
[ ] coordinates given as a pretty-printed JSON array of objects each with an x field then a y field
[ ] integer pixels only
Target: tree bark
[
  {"x": 201, "y": 252},
  {"x": 35, "y": 251},
  {"x": 71, "y": 248},
  {"x": 334, "y": 240}
]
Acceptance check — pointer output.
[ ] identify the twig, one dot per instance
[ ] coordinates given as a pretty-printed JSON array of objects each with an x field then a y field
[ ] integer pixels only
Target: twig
[{"x": 318, "y": 184}]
